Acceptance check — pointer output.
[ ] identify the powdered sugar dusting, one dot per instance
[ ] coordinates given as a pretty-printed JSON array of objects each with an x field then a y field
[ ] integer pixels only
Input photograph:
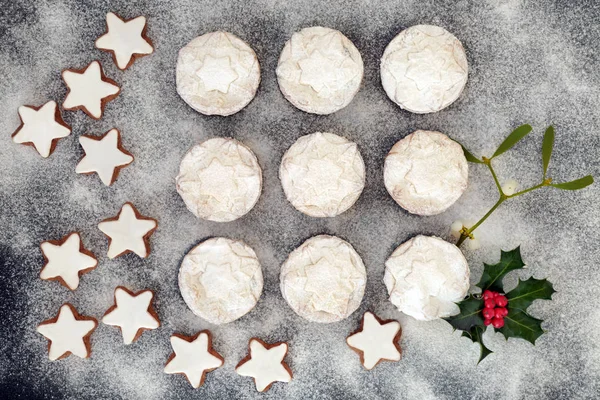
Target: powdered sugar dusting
[{"x": 528, "y": 63}]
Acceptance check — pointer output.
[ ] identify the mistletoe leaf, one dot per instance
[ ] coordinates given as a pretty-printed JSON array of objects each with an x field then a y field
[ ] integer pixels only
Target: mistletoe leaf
[
  {"x": 492, "y": 276},
  {"x": 476, "y": 334},
  {"x": 547, "y": 146},
  {"x": 512, "y": 139},
  {"x": 576, "y": 184},
  {"x": 470, "y": 157},
  {"x": 522, "y": 325},
  {"x": 469, "y": 315},
  {"x": 527, "y": 291}
]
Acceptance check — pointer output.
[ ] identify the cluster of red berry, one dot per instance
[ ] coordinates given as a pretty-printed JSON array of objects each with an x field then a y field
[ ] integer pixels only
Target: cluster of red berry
[{"x": 494, "y": 309}]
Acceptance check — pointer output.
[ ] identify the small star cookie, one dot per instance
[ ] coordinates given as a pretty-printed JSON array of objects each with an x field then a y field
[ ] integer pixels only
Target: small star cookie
[
  {"x": 104, "y": 155},
  {"x": 193, "y": 356},
  {"x": 133, "y": 313},
  {"x": 125, "y": 39},
  {"x": 128, "y": 232},
  {"x": 265, "y": 364},
  {"x": 89, "y": 89},
  {"x": 41, "y": 127},
  {"x": 68, "y": 333},
  {"x": 66, "y": 260},
  {"x": 376, "y": 340}
]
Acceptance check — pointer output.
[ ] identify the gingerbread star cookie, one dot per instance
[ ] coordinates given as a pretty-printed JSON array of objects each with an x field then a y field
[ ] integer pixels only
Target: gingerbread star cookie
[
  {"x": 125, "y": 39},
  {"x": 104, "y": 155},
  {"x": 193, "y": 356},
  {"x": 132, "y": 312},
  {"x": 89, "y": 89},
  {"x": 128, "y": 232},
  {"x": 66, "y": 260},
  {"x": 376, "y": 340},
  {"x": 68, "y": 333},
  {"x": 265, "y": 364},
  {"x": 41, "y": 127}
]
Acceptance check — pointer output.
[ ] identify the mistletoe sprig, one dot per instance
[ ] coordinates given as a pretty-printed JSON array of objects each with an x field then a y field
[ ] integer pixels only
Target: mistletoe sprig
[
  {"x": 514, "y": 320},
  {"x": 509, "y": 142}
]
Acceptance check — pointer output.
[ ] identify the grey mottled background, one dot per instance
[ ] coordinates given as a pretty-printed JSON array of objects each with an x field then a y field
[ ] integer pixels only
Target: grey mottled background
[{"x": 530, "y": 62}]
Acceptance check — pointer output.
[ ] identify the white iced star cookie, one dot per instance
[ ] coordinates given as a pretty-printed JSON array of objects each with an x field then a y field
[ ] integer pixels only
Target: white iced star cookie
[
  {"x": 132, "y": 313},
  {"x": 265, "y": 364},
  {"x": 41, "y": 127},
  {"x": 376, "y": 340},
  {"x": 319, "y": 70},
  {"x": 66, "y": 260},
  {"x": 220, "y": 280},
  {"x": 104, "y": 155},
  {"x": 425, "y": 277},
  {"x": 125, "y": 39},
  {"x": 89, "y": 89},
  {"x": 424, "y": 69},
  {"x": 219, "y": 180},
  {"x": 324, "y": 279},
  {"x": 426, "y": 172},
  {"x": 193, "y": 357},
  {"x": 217, "y": 74},
  {"x": 68, "y": 333},
  {"x": 129, "y": 231},
  {"x": 322, "y": 174}
]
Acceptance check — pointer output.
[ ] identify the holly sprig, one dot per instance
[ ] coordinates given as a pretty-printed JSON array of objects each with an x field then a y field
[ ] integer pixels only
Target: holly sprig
[
  {"x": 517, "y": 323},
  {"x": 507, "y": 144}
]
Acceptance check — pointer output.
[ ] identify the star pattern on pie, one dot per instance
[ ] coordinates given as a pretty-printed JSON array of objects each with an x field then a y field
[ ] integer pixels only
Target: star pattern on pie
[
  {"x": 128, "y": 232},
  {"x": 132, "y": 312},
  {"x": 265, "y": 364},
  {"x": 326, "y": 75},
  {"x": 376, "y": 340},
  {"x": 68, "y": 333},
  {"x": 125, "y": 39},
  {"x": 66, "y": 260},
  {"x": 41, "y": 127},
  {"x": 193, "y": 357},
  {"x": 104, "y": 155},
  {"x": 217, "y": 73},
  {"x": 89, "y": 89},
  {"x": 329, "y": 285}
]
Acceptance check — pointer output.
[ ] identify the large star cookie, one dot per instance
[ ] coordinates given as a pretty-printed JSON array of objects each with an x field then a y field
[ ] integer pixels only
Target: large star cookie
[
  {"x": 376, "y": 340},
  {"x": 193, "y": 357},
  {"x": 41, "y": 127},
  {"x": 265, "y": 364},
  {"x": 89, "y": 89},
  {"x": 128, "y": 232},
  {"x": 68, "y": 333},
  {"x": 132, "y": 312},
  {"x": 104, "y": 155},
  {"x": 66, "y": 260},
  {"x": 125, "y": 39}
]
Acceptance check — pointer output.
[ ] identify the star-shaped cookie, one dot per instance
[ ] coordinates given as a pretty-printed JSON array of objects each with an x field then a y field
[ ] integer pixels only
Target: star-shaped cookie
[
  {"x": 89, "y": 89},
  {"x": 376, "y": 340},
  {"x": 132, "y": 312},
  {"x": 128, "y": 232},
  {"x": 265, "y": 364},
  {"x": 41, "y": 127},
  {"x": 125, "y": 39},
  {"x": 216, "y": 73},
  {"x": 66, "y": 260},
  {"x": 68, "y": 333},
  {"x": 104, "y": 155},
  {"x": 193, "y": 357}
]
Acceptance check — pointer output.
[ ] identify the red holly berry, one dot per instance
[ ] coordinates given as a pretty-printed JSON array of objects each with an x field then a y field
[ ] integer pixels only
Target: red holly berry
[
  {"x": 498, "y": 313},
  {"x": 487, "y": 294},
  {"x": 498, "y": 323},
  {"x": 496, "y": 294},
  {"x": 504, "y": 311},
  {"x": 489, "y": 303},
  {"x": 501, "y": 301},
  {"x": 487, "y": 321},
  {"x": 489, "y": 313}
]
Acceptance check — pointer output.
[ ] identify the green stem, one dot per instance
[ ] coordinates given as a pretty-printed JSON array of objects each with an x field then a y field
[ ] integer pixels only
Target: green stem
[
  {"x": 488, "y": 162},
  {"x": 528, "y": 190},
  {"x": 467, "y": 234}
]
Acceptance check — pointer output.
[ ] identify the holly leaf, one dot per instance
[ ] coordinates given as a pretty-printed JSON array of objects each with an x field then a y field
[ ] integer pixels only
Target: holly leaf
[
  {"x": 522, "y": 325},
  {"x": 475, "y": 334},
  {"x": 493, "y": 274},
  {"x": 512, "y": 139},
  {"x": 527, "y": 291},
  {"x": 469, "y": 315}
]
